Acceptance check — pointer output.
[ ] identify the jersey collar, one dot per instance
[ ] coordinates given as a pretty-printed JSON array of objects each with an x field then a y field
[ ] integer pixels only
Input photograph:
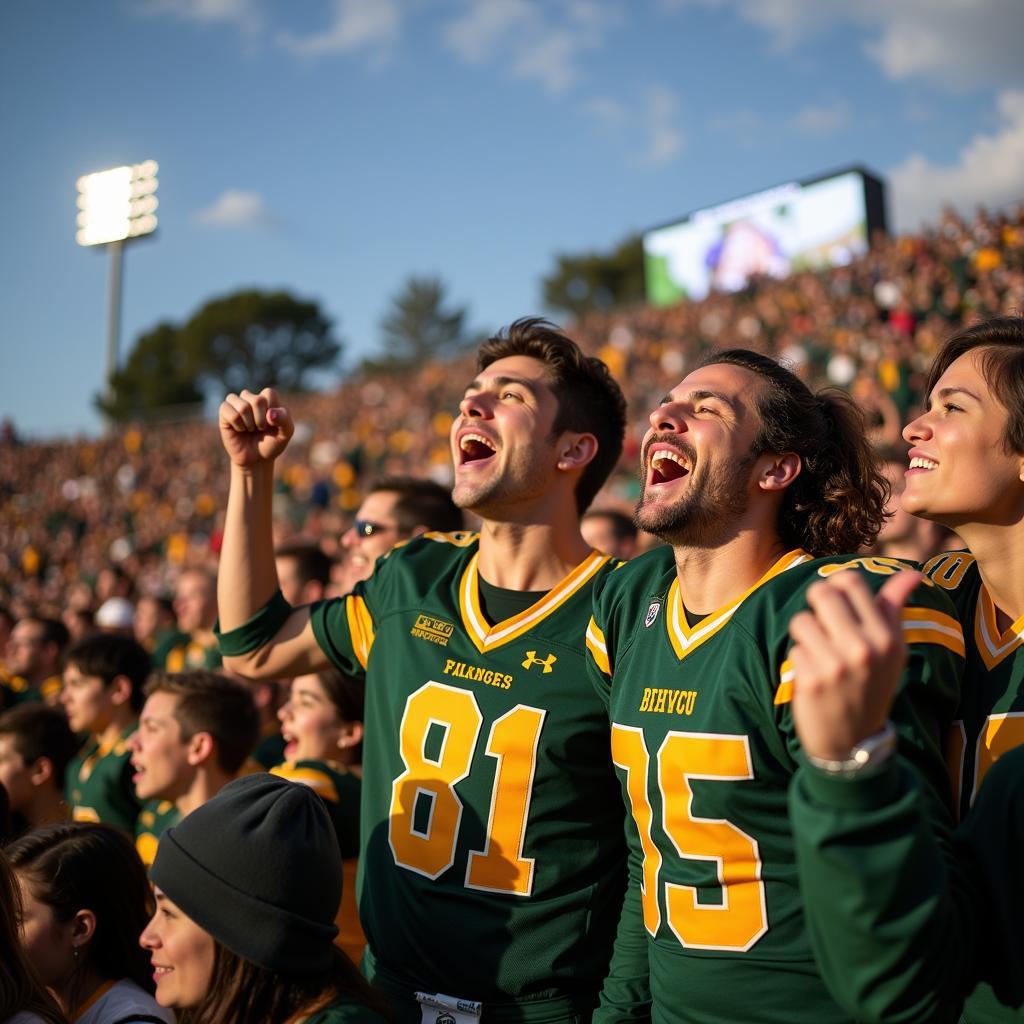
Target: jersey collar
[
  {"x": 993, "y": 645},
  {"x": 684, "y": 639},
  {"x": 486, "y": 637}
]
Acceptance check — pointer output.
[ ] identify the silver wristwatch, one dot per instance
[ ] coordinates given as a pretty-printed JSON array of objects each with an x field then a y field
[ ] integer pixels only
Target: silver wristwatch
[{"x": 865, "y": 757}]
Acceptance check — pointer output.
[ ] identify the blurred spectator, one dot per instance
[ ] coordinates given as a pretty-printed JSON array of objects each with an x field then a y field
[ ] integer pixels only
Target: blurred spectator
[
  {"x": 268, "y": 696},
  {"x": 303, "y": 571},
  {"x": 36, "y": 745},
  {"x": 611, "y": 532},
  {"x": 85, "y": 899},
  {"x": 195, "y": 732},
  {"x": 102, "y": 696},
  {"x": 195, "y": 646},
  {"x": 35, "y": 650},
  {"x": 155, "y": 623},
  {"x": 394, "y": 509},
  {"x": 322, "y": 724}
]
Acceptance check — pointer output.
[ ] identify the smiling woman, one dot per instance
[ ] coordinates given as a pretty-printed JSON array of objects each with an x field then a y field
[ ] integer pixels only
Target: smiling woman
[{"x": 247, "y": 889}]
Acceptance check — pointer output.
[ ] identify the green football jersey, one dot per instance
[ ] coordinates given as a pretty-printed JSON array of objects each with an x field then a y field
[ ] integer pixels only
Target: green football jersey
[
  {"x": 704, "y": 742},
  {"x": 990, "y": 720},
  {"x": 338, "y": 788},
  {"x": 492, "y": 865},
  {"x": 901, "y": 931},
  {"x": 98, "y": 785},
  {"x": 155, "y": 818}
]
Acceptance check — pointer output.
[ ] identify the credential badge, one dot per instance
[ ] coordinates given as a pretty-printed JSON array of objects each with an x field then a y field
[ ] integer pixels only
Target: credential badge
[{"x": 652, "y": 613}]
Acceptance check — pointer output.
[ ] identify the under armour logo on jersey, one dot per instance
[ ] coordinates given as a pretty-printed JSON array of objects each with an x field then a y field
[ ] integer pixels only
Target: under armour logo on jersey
[
  {"x": 652, "y": 613},
  {"x": 532, "y": 659}
]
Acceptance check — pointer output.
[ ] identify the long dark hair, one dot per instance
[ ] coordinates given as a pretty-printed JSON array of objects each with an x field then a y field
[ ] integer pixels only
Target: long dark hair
[
  {"x": 837, "y": 502},
  {"x": 20, "y": 989},
  {"x": 241, "y": 991},
  {"x": 75, "y": 866}
]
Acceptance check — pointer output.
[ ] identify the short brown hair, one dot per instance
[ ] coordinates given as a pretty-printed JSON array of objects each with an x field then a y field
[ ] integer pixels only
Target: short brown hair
[
  {"x": 589, "y": 399},
  {"x": 1002, "y": 366},
  {"x": 36, "y": 731},
  {"x": 213, "y": 703}
]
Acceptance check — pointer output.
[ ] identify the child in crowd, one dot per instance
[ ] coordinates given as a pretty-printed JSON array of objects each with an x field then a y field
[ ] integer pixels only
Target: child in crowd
[
  {"x": 85, "y": 899},
  {"x": 36, "y": 745},
  {"x": 246, "y": 889},
  {"x": 103, "y": 679},
  {"x": 195, "y": 732}
]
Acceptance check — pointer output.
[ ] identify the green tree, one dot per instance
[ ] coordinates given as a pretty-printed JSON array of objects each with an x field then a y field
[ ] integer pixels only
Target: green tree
[
  {"x": 156, "y": 375},
  {"x": 584, "y": 282},
  {"x": 248, "y": 339},
  {"x": 420, "y": 326},
  {"x": 254, "y": 339}
]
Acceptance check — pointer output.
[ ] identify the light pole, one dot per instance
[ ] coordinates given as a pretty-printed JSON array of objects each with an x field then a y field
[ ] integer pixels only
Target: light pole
[{"x": 115, "y": 206}]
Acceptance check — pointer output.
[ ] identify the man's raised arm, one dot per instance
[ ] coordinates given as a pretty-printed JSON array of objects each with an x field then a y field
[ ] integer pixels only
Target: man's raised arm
[{"x": 261, "y": 637}]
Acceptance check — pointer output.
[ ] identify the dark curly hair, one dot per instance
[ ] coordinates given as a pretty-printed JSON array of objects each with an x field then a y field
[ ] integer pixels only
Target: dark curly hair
[{"x": 836, "y": 505}]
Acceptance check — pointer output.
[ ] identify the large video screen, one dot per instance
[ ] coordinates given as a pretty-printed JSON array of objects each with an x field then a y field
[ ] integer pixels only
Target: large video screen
[{"x": 797, "y": 226}]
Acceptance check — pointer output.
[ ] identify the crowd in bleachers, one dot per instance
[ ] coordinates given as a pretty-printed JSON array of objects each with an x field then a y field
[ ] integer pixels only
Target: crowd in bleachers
[
  {"x": 150, "y": 499},
  {"x": 109, "y": 550}
]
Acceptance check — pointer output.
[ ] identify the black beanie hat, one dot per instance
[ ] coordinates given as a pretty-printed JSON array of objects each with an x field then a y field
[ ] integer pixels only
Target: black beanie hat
[{"x": 258, "y": 867}]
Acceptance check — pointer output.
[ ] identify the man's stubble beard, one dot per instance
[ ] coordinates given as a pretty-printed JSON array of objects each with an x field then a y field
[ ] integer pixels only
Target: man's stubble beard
[{"x": 715, "y": 498}]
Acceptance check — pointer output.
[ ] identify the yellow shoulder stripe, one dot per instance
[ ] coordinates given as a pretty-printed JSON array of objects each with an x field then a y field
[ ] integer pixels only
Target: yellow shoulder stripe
[
  {"x": 360, "y": 627},
  {"x": 784, "y": 693},
  {"x": 598, "y": 647},
  {"x": 320, "y": 782},
  {"x": 928, "y": 626}
]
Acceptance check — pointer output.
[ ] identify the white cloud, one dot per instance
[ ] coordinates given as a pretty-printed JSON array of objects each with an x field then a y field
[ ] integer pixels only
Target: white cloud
[
  {"x": 355, "y": 24},
  {"x": 664, "y": 137},
  {"x": 821, "y": 119},
  {"x": 952, "y": 42},
  {"x": 988, "y": 170},
  {"x": 649, "y": 129},
  {"x": 244, "y": 14},
  {"x": 541, "y": 42},
  {"x": 236, "y": 208}
]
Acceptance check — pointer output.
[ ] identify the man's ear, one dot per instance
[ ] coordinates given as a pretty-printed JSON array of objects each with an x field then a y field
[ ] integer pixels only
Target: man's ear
[
  {"x": 200, "y": 748},
  {"x": 576, "y": 450},
  {"x": 41, "y": 771},
  {"x": 120, "y": 690},
  {"x": 779, "y": 471}
]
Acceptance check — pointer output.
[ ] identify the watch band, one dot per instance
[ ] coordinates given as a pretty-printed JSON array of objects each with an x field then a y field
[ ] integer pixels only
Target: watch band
[{"x": 865, "y": 757}]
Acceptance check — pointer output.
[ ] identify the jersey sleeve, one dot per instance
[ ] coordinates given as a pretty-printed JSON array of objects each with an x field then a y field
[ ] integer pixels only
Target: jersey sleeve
[
  {"x": 345, "y": 628},
  {"x": 901, "y": 931},
  {"x": 928, "y": 695}
]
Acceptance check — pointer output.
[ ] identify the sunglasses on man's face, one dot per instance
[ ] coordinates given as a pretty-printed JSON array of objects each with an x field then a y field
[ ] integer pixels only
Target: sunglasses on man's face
[{"x": 366, "y": 528}]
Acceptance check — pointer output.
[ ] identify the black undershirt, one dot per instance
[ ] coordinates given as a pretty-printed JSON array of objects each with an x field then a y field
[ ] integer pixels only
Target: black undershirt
[
  {"x": 499, "y": 603},
  {"x": 692, "y": 618}
]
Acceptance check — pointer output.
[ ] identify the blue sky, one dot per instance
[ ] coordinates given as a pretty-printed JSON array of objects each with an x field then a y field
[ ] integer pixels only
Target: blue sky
[{"x": 334, "y": 147}]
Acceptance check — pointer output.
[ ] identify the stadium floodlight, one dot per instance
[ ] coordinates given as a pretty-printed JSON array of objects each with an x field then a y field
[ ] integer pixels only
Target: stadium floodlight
[{"x": 115, "y": 206}]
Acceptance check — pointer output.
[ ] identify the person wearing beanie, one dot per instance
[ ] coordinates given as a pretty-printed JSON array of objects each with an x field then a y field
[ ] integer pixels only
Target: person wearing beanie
[{"x": 247, "y": 888}]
